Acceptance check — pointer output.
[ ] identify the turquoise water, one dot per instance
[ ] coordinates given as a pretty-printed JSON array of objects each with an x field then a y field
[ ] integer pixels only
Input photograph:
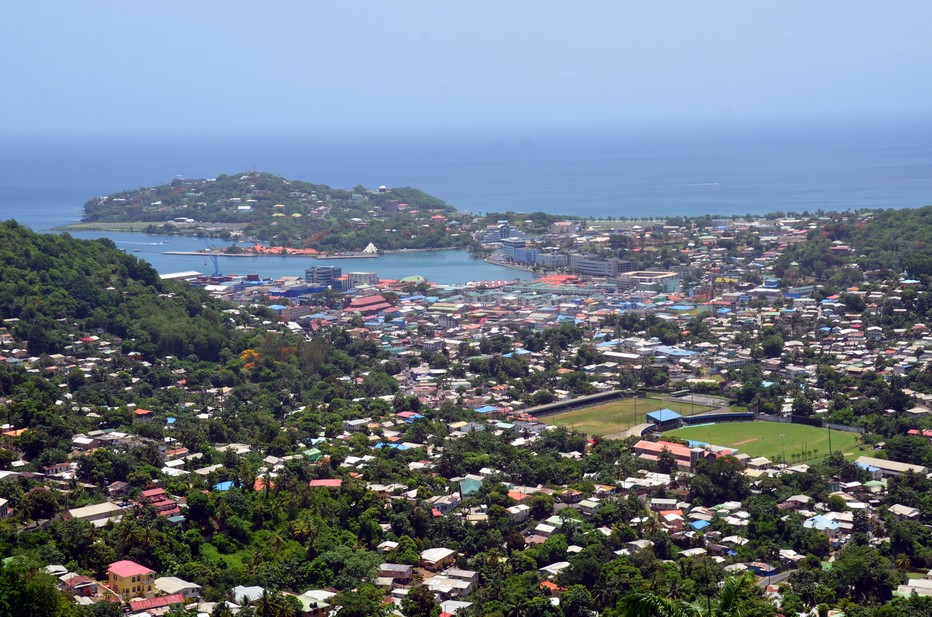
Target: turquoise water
[
  {"x": 45, "y": 181},
  {"x": 436, "y": 266}
]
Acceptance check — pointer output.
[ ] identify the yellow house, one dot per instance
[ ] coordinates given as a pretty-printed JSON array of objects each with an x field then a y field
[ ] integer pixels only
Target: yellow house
[{"x": 128, "y": 579}]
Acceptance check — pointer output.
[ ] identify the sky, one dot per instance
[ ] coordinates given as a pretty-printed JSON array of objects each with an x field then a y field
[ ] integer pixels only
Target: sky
[{"x": 181, "y": 66}]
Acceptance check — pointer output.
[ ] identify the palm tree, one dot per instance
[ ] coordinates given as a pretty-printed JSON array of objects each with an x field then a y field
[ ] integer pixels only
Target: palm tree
[
  {"x": 735, "y": 590},
  {"x": 265, "y": 604},
  {"x": 903, "y": 562}
]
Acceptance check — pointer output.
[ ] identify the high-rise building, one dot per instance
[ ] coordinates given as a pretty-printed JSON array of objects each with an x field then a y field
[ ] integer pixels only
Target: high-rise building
[{"x": 322, "y": 275}]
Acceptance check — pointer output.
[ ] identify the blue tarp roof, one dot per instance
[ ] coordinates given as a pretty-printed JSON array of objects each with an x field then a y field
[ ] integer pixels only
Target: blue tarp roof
[
  {"x": 517, "y": 352},
  {"x": 820, "y": 523},
  {"x": 486, "y": 409},
  {"x": 663, "y": 415},
  {"x": 224, "y": 486},
  {"x": 469, "y": 486},
  {"x": 673, "y": 351},
  {"x": 394, "y": 446},
  {"x": 700, "y": 524}
]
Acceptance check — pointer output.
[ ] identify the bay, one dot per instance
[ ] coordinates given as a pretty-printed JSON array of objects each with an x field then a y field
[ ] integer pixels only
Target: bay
[
  {"x": 640, "y": 173},
  {"x": 446, "y": 267}
]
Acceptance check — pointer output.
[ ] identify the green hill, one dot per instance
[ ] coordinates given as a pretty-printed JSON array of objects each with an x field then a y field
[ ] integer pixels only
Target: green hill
[{"x": 54, "y": 288}]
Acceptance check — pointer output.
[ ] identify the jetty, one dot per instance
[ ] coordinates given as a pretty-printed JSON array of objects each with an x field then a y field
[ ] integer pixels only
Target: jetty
[{"x": 202, "y": 254}]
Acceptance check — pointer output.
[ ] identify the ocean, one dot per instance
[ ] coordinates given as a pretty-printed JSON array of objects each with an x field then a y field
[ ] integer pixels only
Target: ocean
[{"x": 723, "y": 171}]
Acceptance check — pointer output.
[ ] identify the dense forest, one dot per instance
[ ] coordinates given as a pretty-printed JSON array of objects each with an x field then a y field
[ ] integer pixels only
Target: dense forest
[{"x": 54, "y": 287}]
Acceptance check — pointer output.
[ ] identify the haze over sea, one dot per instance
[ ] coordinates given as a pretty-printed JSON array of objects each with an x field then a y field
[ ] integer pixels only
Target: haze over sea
[{"x": 724, "y": 170}]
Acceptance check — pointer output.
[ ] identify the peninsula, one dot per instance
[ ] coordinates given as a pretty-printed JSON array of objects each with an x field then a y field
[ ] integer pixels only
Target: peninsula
[{"x": 289, "y": 215}]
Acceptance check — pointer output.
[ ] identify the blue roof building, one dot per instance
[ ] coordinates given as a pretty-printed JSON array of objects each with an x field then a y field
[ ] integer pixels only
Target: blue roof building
[{"x": 663, "y": 416}]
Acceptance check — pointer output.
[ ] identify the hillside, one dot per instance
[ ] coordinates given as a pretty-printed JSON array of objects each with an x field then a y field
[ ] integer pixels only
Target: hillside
[
  {"x": 286, "y": 212},
  {"x": 54, "y": 289},
  {"x": 897, "y": 240}
]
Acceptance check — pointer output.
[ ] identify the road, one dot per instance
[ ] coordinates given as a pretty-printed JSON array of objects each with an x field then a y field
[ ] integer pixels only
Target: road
[{"x": 776, "y": 579}]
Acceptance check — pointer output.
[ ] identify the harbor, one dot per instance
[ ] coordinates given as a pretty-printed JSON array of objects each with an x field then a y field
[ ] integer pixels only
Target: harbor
[{"x": 442, "y": 266}]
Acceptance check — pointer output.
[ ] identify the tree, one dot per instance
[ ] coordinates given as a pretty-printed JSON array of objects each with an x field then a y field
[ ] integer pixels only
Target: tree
[
  {"x": 666, "y": 462},
  {"x": 221, "y": 610},
  {"x": 39, "y": 503},
  {"x": 366, "y": 601},
  {"x": 864, "y": 575},
  {"x": 772, "y": 346},
  {"x": 26, "y": 591},
  {"x": 419, "y": 602},
  {"x": 110, "y": 609},
  {"x": 576, "y": 601},
  {"x": 718, "y": 480},
  {"x": 735, "y": 593}
]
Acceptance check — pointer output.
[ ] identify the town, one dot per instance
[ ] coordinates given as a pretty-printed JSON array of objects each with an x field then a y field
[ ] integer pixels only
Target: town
[{"x": 666, "y": 409}]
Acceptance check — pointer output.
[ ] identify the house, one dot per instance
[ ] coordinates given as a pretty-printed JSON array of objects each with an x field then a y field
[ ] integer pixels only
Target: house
[
  {"x": 905, "y": 513},
  {"x": 470, "y": 576},
  {"x": 247, "y": 595},
  {"x": 519, "y": 513},
  {"x": 588, "y": 507},
  {"x": 554, "y": 569},
  {"x": 435, "y": 559},
  {"x": 128, "y": 579},
  {"x": 445, "y": 503},
  {"x": 762, "y": 569},
  {"x": 821, "y": 523},
  {"x": 118, "y": 488},
  {"x": 98, "y": 515},
  {"x": 314, "y": 603},
  {"x": 56, "y": 468},
  {"x": 684, "y": 456},
  {"x": 168, "y": 603},
  {"x": 159, "y": 500},
  {"x": 170, "y": 585},
  {"x": 78, "y": 585},
  {"x": 795, "y": 502},
  {"x": 326, "y": 483},
  {"x": 447, "y": 587},
  {"x": 887, "y": 468},
  {"x": 396, "y": 571},
  {"x": 143, "y": 415},
  {"x": 5, "y": 510},
  {"x": 355, "y": 426}
]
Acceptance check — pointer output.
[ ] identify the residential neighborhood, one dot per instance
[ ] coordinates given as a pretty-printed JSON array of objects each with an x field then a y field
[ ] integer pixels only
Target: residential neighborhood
[{"x": 706, "y": 410}]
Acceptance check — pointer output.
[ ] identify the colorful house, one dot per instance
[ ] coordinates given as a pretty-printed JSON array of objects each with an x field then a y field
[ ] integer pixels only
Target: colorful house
[{"x": 128, "y": 579}]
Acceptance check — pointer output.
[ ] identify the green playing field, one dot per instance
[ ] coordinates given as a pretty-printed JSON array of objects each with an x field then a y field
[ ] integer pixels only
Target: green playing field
[
  {"x": 619, "y": 415},
  {"x": 799, "y": 442}
]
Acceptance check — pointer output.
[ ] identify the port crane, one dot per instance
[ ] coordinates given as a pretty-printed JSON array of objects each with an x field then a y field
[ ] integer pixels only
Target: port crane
[{"x": 213, "y": 258}]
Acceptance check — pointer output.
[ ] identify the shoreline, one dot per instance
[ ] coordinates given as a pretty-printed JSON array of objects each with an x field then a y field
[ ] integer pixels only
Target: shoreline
[
  {"x": 442, "y": 248},
  {"x": 199, "y": 254},
  {"x": 490, "y": 261}
]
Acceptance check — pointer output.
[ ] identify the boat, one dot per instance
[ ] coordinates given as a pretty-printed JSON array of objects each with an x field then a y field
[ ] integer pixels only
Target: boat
[{"x": 136, "y": 250}]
